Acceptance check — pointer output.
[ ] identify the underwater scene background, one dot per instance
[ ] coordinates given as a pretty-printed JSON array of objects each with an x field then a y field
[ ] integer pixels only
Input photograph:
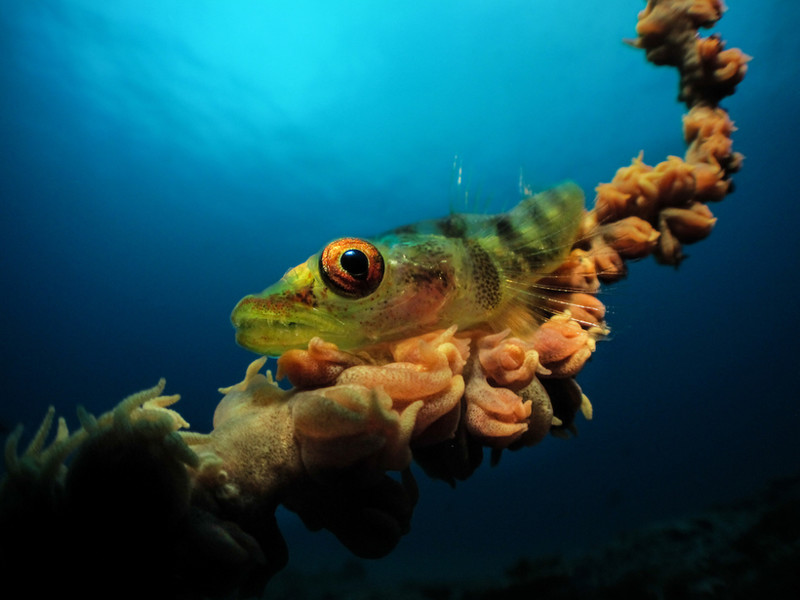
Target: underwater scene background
[{"x": 160, "y": 160}]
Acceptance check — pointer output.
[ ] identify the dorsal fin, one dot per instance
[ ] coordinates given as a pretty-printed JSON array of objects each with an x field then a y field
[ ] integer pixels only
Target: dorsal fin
[{"x": 528, "y": 243}]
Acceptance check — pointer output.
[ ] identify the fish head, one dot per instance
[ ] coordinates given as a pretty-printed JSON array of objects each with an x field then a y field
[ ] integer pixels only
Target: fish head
[{"x": 328, "y": 296}]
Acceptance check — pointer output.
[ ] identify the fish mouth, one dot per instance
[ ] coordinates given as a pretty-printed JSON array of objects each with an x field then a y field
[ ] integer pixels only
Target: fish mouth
[
  {"x": 271, "y": 328},
  {"x": 272, "y": 338}
]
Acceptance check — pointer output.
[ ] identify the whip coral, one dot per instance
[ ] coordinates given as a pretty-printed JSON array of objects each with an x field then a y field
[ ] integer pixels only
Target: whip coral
[{"x": 323, "y": 448}]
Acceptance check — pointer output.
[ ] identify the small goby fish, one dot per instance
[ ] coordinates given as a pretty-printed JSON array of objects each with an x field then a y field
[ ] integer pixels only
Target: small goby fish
[{"x": 468, "y": 270}]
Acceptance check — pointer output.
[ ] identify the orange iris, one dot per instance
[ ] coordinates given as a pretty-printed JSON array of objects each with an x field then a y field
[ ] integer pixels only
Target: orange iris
[{"x": 351, "y": 267}]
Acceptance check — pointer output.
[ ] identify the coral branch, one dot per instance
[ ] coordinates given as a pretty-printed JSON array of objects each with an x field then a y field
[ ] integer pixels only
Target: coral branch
[
  {"x": 204, "y": 504},
  {"x": 669, "y": 197}
]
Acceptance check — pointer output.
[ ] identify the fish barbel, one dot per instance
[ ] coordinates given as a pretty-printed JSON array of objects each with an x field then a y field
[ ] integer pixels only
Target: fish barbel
[{"x": 465, "y": 269}]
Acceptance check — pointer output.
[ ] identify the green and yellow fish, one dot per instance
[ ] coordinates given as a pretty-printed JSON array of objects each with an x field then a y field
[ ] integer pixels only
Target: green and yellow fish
[{"x": 468, "y": 270}]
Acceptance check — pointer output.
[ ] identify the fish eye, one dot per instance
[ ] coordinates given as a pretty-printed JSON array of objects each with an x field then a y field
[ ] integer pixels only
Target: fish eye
[{"x": 351, "y": 267}]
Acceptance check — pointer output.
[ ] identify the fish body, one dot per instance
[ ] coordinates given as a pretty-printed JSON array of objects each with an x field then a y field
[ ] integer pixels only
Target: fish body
[{"x": 465, "y": 269}]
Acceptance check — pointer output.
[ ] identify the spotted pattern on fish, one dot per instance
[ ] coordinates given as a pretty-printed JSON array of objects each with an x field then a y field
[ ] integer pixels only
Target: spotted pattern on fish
[{"x": 475, "y": 271}]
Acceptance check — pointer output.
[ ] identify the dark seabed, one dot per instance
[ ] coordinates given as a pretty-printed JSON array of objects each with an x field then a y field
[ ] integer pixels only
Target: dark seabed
[{"x": 162, "y": 159}]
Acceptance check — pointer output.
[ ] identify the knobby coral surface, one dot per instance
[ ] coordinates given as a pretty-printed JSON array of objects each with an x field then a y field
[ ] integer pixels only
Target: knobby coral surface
[
  {"x": 206, "y": 502},
  {"x": 658, "y": 209}
]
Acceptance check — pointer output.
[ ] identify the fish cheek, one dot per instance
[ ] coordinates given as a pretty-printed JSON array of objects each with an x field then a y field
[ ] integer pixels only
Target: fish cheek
[{"x": 426, "y": 293}]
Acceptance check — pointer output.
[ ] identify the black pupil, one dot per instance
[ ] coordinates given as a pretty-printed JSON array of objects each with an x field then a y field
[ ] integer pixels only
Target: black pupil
[{"x": 356, "y": 263}]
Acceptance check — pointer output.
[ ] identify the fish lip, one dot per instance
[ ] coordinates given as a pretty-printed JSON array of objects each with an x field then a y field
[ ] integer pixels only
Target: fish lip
[
  {"x": 246, "y": 322},
  {"x": 272, "y": 338},
  {"x": 260, "y": 332},
  {"x": 251, "y": 324}
]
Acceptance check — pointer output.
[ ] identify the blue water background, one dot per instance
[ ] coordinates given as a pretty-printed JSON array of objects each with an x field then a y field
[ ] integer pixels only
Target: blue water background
[{"x": 159, "y": 160}]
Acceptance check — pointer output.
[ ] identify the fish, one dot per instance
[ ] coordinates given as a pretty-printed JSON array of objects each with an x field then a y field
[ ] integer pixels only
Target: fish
[{"x": 475, "y": 271}]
